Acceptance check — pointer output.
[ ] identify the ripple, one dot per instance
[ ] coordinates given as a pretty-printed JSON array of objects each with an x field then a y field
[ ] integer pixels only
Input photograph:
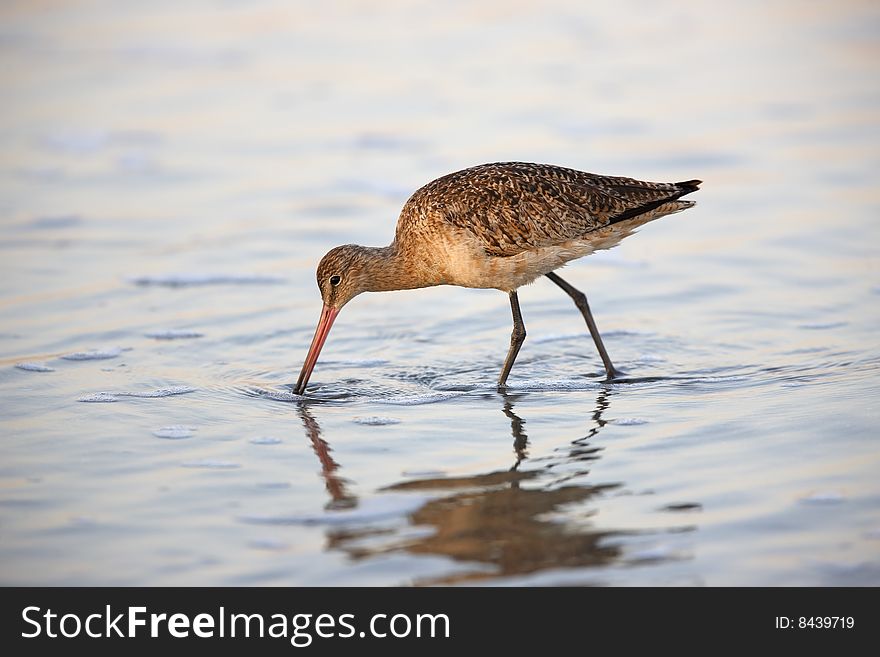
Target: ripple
[
  {"x": 274, "y": 395},
  {"x": 823, "y": 497},
  {"x": 355, "y": 362},
  {"x": 174, "y": 334},
  {"x": 267, "y": 544},
  {"x": 94, "y": 354},
  {"x": 551, "y": 384},
  {"x": 732, "y": 378},
  {"x": 174, "y": 432},
  {"x": 193, "y": 279},
  {"x": 83, "y": 522},
  {"x": 386, "y": 507},
  {"x": 647, "y": 359},
  {"x": 418, "y": 399},
  {"x": 656, "y": 553},
  {"x": 435, "y": 474},
  {"x": 265, "y": 440},
  {"x": 683, "y": 506},
  {"x": 628, "y": 421},
  {"x": 147, "y": 394},
  {"x": 34, "y": 367},
  {"x": 158, "y": 392},
  {"x": 822, "y": 326},
  {"x": 556, "y": 337},
  {"x": 618, "y": 333},
  {"x": 55, "y": 222},
  {"x": 211, "y": 464},
  {"x": 375, "y": 420},
  {"x": 99, "y": 397}
]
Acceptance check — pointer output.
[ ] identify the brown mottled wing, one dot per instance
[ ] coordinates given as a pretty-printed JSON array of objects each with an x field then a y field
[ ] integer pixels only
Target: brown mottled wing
[{"x": 514, "y": 206}]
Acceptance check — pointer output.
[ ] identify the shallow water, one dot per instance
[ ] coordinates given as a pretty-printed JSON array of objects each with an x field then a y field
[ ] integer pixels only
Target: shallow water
[{"x": 170, "y": 176}]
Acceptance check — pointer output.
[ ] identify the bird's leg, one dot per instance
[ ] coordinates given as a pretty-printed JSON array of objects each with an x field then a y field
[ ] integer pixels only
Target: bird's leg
[
  {"x": 580, "y": 300},
  {"x": 516, "y": 338}
]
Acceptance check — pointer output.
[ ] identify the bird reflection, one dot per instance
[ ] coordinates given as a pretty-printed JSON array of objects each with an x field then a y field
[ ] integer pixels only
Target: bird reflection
[
  {"x": 497, "y": 523},
  {"x": 520, "y": 439},
  {"x": 340, "y": 498},
  {"x": 504, "y": 520}
]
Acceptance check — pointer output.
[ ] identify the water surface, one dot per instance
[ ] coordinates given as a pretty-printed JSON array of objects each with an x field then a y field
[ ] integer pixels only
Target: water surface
[{"x": 171, "y": 175}]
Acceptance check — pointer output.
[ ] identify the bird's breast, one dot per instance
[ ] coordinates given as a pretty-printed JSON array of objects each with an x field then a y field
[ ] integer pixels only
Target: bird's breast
[{"x": 457, "y": 258}]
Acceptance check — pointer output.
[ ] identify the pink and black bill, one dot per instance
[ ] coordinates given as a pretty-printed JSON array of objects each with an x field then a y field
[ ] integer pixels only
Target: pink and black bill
[{"x": 328, "y": 315}]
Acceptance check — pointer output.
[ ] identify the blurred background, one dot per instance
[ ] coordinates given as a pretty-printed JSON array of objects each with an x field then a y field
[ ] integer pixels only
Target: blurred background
[{"x": 171, "y": 173}]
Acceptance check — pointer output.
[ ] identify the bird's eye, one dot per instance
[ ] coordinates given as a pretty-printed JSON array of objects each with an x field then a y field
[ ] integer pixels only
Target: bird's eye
[{"x": 335, "y": 280}]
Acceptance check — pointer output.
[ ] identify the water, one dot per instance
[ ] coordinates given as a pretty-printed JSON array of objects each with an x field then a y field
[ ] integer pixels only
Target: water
[{"x": 170, "y": 176}]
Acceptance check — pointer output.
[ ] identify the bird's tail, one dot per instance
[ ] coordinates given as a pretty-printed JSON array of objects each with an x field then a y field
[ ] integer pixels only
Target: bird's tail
[
  {"x": 689, "y": 186},
  {"x": 662, "y": 206}
]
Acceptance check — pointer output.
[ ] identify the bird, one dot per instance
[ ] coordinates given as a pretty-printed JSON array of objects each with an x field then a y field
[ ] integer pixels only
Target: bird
[{"x": 498, "y": 226}]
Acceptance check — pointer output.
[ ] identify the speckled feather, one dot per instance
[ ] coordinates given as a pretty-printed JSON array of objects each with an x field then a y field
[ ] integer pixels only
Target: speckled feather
[
  {"x": 511, "y": 207},
  {"x": 498, "y": 226}
]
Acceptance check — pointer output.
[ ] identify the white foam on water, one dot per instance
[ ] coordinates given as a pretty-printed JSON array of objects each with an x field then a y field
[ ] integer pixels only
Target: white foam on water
[
  {"x": 273, "y": 394},
  {"x": 174, "y": 432},
  {"x": 279, "y": 395},
  {"x": 173, "y": 334},
  {"x": 147, "y": 394},
  {"x": 191, "y": 279},
  {"x": 824, "y": 497},
  {"x": 99, "y": 397},
  {"x": 94, "y": 354},
  {"x": 265, "y": 440},
  {"x": 628, "y": 421},
  {"x": 158, "y": 392},
  {"x": 370, "y": 510},
  {"x": 415, "y": 400},
  {"x": 551, "y": 384},
  {"x": 211, "y": 464},
  {"x": 34, "y": 367},
  {"x": 375, "y": 420}
]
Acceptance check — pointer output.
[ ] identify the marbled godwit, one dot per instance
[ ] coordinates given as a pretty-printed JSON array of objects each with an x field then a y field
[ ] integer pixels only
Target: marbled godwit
[{"x": 496, "y": 226}]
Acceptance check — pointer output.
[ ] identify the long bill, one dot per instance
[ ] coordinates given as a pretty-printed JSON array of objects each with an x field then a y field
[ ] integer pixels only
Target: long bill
[{"x": 328, "y": 314}]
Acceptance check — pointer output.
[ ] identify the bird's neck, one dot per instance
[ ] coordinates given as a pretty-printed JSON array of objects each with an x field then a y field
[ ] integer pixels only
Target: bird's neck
[{"x": 394, "y": 268}]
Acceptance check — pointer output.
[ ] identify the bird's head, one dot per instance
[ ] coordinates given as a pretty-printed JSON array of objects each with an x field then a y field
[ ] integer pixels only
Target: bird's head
[{"x": 341, "y": 275}]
